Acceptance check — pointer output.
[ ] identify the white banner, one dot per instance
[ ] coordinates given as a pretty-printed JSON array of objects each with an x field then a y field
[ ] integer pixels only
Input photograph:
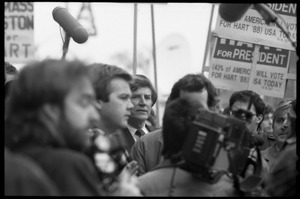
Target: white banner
[
  {"x": 19, "y": 32},
  {"x": 252, "y": 27},
  {"x": 231, "y": 68}
]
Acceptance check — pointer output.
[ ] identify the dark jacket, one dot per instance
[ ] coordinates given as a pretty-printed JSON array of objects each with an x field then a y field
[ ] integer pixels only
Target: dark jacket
[
  {"x": 72, "y": 172},
  {"x": 24, "y": 177},
  {"x": 130, "y": 140},
  {"x": 147, "y": 151}
]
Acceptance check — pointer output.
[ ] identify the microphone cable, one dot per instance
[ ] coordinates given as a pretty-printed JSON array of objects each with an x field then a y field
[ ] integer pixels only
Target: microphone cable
[{"x": 172, "y": 182}]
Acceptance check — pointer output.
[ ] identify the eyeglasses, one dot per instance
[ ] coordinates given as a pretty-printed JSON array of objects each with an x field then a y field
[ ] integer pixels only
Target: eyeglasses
[{"x": 243, "y": 114}]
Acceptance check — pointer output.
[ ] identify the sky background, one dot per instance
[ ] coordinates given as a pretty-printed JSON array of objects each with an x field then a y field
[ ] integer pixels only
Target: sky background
[{"x": 180, "y": 36}]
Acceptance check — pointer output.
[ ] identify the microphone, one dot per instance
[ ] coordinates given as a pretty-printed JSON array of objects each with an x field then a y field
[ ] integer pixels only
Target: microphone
[
  {"x": 234, "y": 12},
  {"x": 70, "y": 24}
]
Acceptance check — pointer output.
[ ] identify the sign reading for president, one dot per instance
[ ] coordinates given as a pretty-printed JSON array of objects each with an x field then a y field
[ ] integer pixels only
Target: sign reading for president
[
  {"x": 232, "y": 62},
  {"x": 252, "y": 27},
  {"x": 19, "y": 32}
]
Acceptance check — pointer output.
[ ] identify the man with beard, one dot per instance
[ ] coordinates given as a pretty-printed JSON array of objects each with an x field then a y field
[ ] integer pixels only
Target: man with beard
[{"x": 49, "y": 111}]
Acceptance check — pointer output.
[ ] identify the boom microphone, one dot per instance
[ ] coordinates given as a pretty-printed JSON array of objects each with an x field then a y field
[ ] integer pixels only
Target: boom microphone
[
  {"x": 70, "y": 24},
  {"x": 234, "y": 12}
]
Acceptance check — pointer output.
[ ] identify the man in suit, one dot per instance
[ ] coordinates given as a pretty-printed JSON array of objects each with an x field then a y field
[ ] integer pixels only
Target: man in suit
[
  {"x": 143, "y": 98},
  {"x": 113, "y": 102}
]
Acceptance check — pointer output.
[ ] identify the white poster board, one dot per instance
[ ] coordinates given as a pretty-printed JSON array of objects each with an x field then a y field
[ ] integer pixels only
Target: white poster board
[
  {"x": 19, "y": 32},
  {"x": 252, "y": 27},
  {"x": 232, "y": 65}
]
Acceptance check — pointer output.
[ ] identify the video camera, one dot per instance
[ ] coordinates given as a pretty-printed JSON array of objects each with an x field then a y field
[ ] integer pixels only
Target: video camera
[
  {"x": 109, "y": 156},
  {"x": 216, "y": 144}
]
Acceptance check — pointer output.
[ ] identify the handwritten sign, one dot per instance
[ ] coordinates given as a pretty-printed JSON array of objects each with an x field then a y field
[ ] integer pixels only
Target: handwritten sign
[
  {"x": 19, "y": 32},
  {"x": 232, "y": 67},
  {"x": 252, "y": 27}
]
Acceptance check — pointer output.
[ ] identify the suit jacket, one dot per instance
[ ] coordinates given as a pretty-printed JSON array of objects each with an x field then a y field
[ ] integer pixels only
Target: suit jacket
[
  {"x": 147, "y": 151},
  {"x": 129, "y": 138}
]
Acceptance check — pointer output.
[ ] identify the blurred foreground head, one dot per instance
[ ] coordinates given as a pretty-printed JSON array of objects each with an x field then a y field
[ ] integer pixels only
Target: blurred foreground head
[{"x": 50, "y": 103}]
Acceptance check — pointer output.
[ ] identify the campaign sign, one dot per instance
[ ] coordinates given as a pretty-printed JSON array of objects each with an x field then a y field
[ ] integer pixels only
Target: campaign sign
[
  {"x": 271, "y": 72},
  {"x": 19, "y": 32},
  {"x": 232, "y": 62},
  {"x": 253, "y": 28}
]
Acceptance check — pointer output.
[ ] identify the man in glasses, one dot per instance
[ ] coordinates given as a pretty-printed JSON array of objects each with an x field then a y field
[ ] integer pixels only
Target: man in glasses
[{"x": 248, "y": 106}]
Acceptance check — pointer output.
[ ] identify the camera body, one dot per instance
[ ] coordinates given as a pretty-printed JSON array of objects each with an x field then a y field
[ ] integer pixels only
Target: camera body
[
  {"x": 215, "y": 144},
  {"x": 108, "y": 155}
]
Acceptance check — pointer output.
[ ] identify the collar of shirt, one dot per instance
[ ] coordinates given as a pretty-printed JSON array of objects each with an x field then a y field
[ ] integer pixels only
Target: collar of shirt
[{"x": 132, "y": 130}]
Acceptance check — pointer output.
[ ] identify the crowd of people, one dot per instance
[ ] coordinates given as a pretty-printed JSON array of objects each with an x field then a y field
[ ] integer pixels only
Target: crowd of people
[{"x": 73, "y": 129}]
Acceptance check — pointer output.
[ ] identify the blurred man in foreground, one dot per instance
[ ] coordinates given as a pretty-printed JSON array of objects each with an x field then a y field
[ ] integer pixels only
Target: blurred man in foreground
[{"x": 50, "y": 110}]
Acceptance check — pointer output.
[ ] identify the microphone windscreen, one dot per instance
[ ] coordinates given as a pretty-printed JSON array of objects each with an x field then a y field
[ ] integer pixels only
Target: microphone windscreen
[
  {"x": 232, "y": 12},
  {"x": 70, "y": 24}
]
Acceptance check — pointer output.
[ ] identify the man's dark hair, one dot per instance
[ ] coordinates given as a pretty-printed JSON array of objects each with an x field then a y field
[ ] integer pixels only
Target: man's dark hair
[
  {"x": 178, "y": 115},
  {"x": 10, "y": 69},
  {"x": 195, "y": 83},
  {"x": 102, "y": 74},
  {"x": 246, "y": 96},
  {"x": 39, "y": 83},
  {"x": 141, "y": 81},
  {"x": 268, "y": 109}
]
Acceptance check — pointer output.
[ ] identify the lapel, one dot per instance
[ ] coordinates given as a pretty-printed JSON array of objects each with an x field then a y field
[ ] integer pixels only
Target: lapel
[{"x": 129, "y": 139}]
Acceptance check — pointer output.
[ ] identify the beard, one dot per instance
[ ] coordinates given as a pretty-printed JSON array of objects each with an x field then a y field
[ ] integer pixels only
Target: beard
[{"x": 75, "y": 138}]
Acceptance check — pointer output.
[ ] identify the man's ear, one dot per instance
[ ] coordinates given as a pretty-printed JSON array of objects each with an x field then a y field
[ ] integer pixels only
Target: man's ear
[{"x": 259, "y": 118}]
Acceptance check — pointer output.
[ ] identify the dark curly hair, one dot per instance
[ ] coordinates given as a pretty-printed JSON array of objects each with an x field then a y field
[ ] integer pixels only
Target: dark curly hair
[{"x": 192, "y": 83}]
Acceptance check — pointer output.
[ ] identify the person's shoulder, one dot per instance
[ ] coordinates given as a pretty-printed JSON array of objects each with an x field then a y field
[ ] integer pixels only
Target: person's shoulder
[
  {"x": 152, "y": 128},
  {"x": 152, "y": 136},
  {"x": 63, "y": 157},
  {"x": 65, "y": 154}
]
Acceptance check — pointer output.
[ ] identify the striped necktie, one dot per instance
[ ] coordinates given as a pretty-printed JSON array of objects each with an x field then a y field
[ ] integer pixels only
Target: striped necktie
[{"x": 139, "y": 133}]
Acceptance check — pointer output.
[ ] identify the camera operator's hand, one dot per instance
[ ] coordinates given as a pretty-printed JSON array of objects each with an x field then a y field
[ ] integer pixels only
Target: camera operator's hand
[
  {"x": 127, "y": 185},
  {"x": 131, "y": 167},
  {"x": 251, "y": 168}
]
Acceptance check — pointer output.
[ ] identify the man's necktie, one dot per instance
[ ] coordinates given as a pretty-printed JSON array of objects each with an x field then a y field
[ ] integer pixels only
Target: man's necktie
[{"x": 139, "y": 133}]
